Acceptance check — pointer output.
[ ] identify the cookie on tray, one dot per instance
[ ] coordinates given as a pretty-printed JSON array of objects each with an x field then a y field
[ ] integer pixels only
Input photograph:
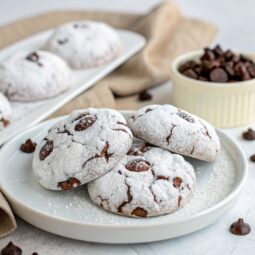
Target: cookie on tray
[
  {"x": 150, "y": 182},
  {"x": 36, "y": 75},
  {"x": 85, "y": 44},
  {"x": 5, "y": 112},
  {"x": 81, "y": 148},
  {"x": 176, "y": 130}
]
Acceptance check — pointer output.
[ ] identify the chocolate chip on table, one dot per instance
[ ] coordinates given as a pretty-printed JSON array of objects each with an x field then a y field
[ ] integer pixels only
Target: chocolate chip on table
[
  {"x": 46, "y": 150},
  {"x": 218, "y": 75},
  {"x": 85, "y": 122},
  {"x": 35, "y": 253},
  {"x": 240, "y": 228},
  {"x": 252, "y": 158},
  {"x": 138, "y": 165},
  {"x": 11, "y": 249},
  {"x": 28, "y": 146},
  {"x": 249, "y": 135},
  {"x": 217, "y": 65},
  {"x": 145, "y": 95}
]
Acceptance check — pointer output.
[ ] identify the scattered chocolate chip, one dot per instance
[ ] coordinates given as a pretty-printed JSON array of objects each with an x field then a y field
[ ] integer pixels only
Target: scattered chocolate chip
[
  {"x": 86, "y": 122},
  {"x": 139, "y": 212},
  {"x": 252, "y": 158},
  {"x": 240, "y": 228},
  {"x": 249, "y": 135},
  {"x": 217, "y": 65},
  {"x": 35, "y": 253},
  {"x": 218, "y": 75},
  {"x": 69, "y": 184},
  {"x": 145, "y": 95},
  {"x": 177, "y": 181},
  {"x": 185, "y": 116},
  {"x": 46, "y": 150},
  {"x": 138, "y": 165},
  {"x": 28, "y": 146},
  {"x": 11, "y": 249}
]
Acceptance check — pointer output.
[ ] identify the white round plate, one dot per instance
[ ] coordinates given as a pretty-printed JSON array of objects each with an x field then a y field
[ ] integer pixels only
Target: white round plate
[{"x": 73, "y": 215}]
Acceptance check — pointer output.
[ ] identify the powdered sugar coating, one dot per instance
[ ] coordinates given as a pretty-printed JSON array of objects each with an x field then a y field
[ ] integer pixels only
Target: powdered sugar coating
[
  {"x": 5, "y": 111},
  {"x": 81, "y": 148},
  {"x": 30, "y": 76},
  {"x": 85, "y": 44},
  {"x": 163, "y": 186},
  {"x": 175, "y": 130}
]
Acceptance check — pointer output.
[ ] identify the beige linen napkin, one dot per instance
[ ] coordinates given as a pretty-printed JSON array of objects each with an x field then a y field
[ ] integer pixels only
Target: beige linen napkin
[{"x": 168, "y": 34}]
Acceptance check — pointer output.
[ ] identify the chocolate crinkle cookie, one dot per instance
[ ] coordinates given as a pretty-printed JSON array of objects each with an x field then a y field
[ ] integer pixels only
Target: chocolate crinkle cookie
[
  {"x": 31, "y": 76},
  {"x": 81, "y": 148},
  {"x": 149, "y": 183},
  {"x": 85, "y": 44},
  {"x": 5, "y": 112},
  {"x": 175, "y": 130}
]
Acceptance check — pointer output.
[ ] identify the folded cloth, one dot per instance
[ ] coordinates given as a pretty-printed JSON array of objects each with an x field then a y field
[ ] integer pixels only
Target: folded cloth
[{"x": 168, "y": 34}]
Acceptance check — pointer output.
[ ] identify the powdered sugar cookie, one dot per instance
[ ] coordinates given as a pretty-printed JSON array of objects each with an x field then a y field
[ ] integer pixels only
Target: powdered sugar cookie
[
  {"x": 175, "y": 130},
  {"x": 81, "y": 148},
  {"x": 30, "y": 76},
  {"x": 5, "y": 112},
  {"x": 155, "y": 182},
  {"x": 85, "y": 44}
]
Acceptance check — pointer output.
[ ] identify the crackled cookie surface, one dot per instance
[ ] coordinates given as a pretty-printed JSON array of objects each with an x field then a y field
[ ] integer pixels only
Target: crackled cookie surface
[
  {"x": 149, "y": 182},
  {"x": 85, "y": 43},
  {"x": 81, "y": 148},
  {"x": 5, "y": 112},
  {"x": 30, "y": 76},
  {"x": 178, "y": 131}
]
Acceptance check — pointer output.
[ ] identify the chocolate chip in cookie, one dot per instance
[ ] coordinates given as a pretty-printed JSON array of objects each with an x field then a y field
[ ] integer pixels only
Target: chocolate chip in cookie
[
  {"x": 85, "y": 122},
  {"x": 138, "y": 165},
  {"x": 46, "y": 150}
]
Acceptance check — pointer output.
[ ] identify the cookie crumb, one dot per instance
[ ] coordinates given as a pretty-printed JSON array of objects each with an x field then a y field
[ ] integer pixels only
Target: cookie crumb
[
  {"x": 145, "y": 96},
  {"x": 28, "y": 147},
  {"x": 240, "y": 228},
  {"x": 11, "y": 249}
]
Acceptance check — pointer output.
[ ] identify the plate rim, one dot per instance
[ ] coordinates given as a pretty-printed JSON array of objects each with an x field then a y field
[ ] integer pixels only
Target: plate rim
[{"x": 224, "y": 202}]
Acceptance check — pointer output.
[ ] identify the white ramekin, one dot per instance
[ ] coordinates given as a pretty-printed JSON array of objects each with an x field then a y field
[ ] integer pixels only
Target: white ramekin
[{"x": 222, "y": 104}]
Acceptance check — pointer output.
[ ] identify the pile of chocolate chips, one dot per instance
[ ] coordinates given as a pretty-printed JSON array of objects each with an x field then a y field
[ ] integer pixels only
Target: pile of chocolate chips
[{"x": 217, "y": 65}]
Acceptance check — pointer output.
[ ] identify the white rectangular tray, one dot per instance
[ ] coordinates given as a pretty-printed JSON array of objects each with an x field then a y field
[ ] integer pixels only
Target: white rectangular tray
[{"x": 27, "y": 114}]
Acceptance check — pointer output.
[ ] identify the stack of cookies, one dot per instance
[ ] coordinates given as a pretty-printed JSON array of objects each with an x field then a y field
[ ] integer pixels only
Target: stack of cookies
[
  {"x": 29, "y": 76},
  {"x": 142, "y": 177}
]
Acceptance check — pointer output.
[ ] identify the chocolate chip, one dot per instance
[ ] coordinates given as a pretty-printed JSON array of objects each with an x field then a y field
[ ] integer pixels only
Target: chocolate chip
[
  {"x": 11, "y": 249},
  {"x": 145, "y": 95},
  {"x": 34, "y": 57},
  {"x": 249, "y": 135},
  {"x": 69, "y": 184},
  {"x": 138, "y": 165},
  {"x": 63, "y": 41},
  {"x": 46, "y": 150},
  {"x": 139, "y": 212},
  {"x": 35, "y": 253},
  {"x": 86, "y": 122},
  {"x": 28, "y": 146},
  {"x": 5, "y": 122},
  {"x": 177, "y": 181},
  {"x": 240, "y": 228},
  {"x": 185, "y": 116},
  {"x": 190, "y": 73},
  {"x": 252, "y": 158},
  {"x": 218, "y": 75},
  {"x": 217, "y": 65}
]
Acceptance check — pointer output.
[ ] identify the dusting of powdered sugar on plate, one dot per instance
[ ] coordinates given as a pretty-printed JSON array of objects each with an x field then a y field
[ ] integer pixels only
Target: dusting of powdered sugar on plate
[{"x": 214, "y": 182}]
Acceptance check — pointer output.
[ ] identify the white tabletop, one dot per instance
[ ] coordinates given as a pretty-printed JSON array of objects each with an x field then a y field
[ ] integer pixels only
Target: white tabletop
[{"x": 236, "y": 21}]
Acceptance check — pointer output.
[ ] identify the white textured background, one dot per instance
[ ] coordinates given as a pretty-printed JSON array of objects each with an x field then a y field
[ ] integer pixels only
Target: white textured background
[{"x": 235, "y": 20}]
